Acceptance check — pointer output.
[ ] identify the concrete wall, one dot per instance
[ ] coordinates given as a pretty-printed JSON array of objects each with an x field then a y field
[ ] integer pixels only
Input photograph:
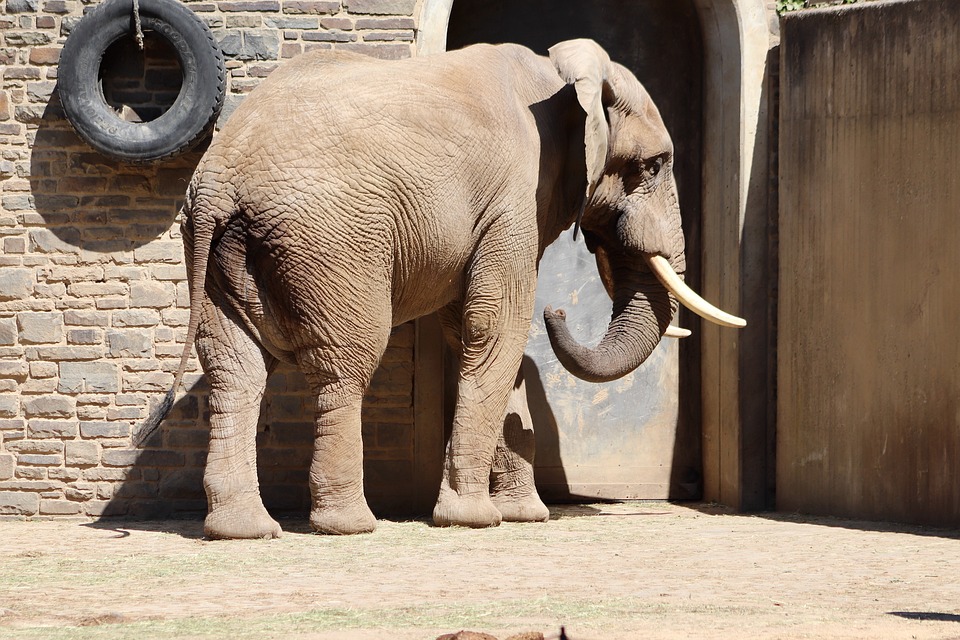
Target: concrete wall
[
  {"x": 93, "y": 297},
  {"x": 869, "y": 360}
]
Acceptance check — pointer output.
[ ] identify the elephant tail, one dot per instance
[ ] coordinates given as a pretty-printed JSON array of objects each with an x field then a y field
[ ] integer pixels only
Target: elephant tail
[{"x": 198, "y": 229}]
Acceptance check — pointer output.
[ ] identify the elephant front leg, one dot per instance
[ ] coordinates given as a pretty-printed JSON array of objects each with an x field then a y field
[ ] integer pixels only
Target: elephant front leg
[
  {"x": 512, "y": 487},
  {"x": 237, "y": 370},
  {"x": 464, "y": 498},
  {"x": 493, "y": 335}
]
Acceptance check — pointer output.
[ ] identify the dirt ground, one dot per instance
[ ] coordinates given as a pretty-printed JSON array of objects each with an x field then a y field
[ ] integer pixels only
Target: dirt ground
[{"x": 628, "y": 570}]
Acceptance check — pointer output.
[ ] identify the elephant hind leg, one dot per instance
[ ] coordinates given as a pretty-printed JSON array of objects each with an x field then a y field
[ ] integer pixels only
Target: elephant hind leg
[
  {"x": 336, "y": 472},
  {"x": 339, "y": 380},
  {"x": 237, "y": 368}
]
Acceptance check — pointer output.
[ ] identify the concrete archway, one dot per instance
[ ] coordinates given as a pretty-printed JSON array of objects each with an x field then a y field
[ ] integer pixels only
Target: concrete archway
[{"x": 737, "y": 367}]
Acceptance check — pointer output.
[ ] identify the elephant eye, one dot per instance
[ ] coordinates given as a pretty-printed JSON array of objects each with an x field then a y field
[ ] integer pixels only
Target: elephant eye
[
  {"x": 654, "y": 167},
  {"x": 641, "y": 175}
]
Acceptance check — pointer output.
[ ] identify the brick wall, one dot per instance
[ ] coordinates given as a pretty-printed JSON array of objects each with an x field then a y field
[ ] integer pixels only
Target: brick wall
[{"x": 93, "y": 297}]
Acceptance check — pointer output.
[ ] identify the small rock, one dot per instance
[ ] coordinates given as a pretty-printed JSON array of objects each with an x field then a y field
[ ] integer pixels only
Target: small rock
[
  {"x": 103, "y": 618},
  {"x": 466, "y": 635}
]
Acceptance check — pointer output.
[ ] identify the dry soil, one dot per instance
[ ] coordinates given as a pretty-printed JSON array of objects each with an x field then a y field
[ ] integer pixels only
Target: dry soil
[{"x": 629, "y": 570}]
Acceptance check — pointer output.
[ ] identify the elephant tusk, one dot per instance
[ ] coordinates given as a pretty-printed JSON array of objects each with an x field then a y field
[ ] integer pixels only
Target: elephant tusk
[
  {"x": 676, "y": 332},
  {"x": 687, "y": 296}
]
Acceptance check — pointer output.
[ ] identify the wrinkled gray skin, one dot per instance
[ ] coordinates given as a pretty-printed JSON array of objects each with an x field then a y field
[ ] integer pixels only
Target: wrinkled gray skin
[{"x": 348, "y": 195}]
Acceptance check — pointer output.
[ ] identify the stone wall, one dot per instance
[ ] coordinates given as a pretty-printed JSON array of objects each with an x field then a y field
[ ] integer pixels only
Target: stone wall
[{"x": 93, "y": 297}]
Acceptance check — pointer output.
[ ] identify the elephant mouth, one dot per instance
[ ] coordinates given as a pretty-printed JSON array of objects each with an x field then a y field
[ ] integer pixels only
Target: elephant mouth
[
  {"x": 656, "y": 267},
  {"x": 645, "y": 295}
]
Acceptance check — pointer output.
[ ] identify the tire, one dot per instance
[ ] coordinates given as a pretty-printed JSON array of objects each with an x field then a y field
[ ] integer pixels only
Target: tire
[{"x": 189, "y": 119}]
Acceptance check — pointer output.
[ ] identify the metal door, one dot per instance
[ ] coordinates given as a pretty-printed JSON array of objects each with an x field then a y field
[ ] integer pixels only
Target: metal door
[{"x": 632, "y": 438}]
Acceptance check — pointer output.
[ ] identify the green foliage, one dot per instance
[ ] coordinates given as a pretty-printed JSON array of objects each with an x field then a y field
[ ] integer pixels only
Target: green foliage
[{"x": 785, "y": 6}]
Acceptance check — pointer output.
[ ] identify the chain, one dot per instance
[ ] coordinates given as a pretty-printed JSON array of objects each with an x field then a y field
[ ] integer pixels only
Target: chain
[{"x": 136, "y": 20}]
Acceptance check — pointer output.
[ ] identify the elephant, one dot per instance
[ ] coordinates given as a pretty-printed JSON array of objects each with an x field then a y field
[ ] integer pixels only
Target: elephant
[{"x": 347, "y": 195}]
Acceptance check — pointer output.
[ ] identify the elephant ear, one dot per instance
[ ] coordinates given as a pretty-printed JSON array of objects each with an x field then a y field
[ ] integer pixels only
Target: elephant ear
[{"x": 585, "y": 65}]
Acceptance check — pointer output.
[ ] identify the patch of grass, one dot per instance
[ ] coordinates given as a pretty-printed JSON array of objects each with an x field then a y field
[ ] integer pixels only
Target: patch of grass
[{"x": 547, "y": 612}]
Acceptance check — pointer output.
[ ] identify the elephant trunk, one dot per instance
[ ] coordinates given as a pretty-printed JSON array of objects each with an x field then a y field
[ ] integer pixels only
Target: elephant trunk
[{"x": 642, "y": 309}]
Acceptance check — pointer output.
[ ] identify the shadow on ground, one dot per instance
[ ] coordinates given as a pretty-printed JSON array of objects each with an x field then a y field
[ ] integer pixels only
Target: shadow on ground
[
  {"x": 927, "y": 616},
  {"x": 714, "y": 509}
]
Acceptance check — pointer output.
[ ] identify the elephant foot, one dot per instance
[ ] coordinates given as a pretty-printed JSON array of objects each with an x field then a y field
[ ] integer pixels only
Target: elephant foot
[
  {"x": 240, "y": 519},
  {"x": 473, "y": 510},
  {"x": 343, "y": 519},
  {"x": 522, "y": 508}
]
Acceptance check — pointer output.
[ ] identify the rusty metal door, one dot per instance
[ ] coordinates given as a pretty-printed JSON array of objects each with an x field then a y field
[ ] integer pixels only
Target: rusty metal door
[
  {"x": 611, "y": 440},
  {"x": 632, "y": 438}
]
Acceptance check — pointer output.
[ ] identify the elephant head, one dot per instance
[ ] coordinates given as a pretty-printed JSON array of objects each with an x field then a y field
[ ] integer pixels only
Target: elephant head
[{"x": 630, "y": 218}]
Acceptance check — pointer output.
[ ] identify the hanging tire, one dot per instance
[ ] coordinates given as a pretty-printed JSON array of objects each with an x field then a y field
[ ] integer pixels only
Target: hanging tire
[{"x": 185, "y": 123}]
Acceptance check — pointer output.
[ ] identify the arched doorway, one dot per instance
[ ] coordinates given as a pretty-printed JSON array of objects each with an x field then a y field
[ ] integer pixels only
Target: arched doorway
[{"x": 735, "y": 368}]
